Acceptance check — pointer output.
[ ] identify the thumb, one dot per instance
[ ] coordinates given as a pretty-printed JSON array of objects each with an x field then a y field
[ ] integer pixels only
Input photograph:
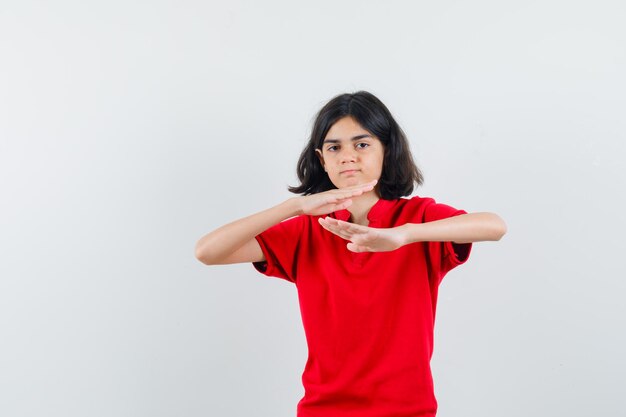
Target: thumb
[
  {"x": 344, "y": 204},
  {"x": 354, "y": 247}
]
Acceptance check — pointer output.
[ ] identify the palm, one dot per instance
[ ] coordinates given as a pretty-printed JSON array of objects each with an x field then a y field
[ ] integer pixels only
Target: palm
[
  {"x": 324, "y": 209},
  {"x": 333, "y": 200},
  {"x": 363, "y": 238}
]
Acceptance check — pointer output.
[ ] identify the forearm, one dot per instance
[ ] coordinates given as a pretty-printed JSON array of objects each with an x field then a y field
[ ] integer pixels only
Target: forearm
[
  {"x": 464, "y": 228},
  {"x": 225, "y": 240}
]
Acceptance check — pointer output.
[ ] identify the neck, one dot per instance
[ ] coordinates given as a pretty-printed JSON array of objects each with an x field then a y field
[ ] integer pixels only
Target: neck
[{"x": 361, "y": 206}]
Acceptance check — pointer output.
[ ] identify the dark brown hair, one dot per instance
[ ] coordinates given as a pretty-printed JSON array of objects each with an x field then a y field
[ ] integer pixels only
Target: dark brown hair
[{"x": 399, "y": 173}]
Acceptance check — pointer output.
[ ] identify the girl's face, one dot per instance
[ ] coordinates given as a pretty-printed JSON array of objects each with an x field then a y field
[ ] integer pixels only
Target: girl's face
[{"x": 350, "y": 154}]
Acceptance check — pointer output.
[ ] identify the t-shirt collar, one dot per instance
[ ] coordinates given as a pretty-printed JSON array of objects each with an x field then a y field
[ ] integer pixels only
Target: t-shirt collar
[{"x": 377, "y": 211}]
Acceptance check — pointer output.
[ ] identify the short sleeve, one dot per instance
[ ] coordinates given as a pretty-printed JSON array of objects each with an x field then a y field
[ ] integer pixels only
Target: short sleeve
[
  {"x": 445, "y": 256},
  {"x": 280, "y": 245}
]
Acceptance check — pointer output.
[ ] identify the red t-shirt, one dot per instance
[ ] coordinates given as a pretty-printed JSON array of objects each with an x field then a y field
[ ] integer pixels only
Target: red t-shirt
[{"x": 368, "y": 317}]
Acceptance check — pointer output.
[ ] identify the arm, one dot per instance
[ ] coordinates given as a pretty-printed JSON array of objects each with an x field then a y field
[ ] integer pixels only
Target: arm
[
  {"x": 464, "y": 228},
  {"x": 235, "y": 242}
]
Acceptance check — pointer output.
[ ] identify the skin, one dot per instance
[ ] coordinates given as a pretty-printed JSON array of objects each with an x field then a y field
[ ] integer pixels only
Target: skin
[
  {"x": 465, "y": 228},
  {"x": 347, "y": 146},
  {"x": 350, "y": 156},
  {"x": 356, "y": 191},
  {"x": 235, "y": 242}
]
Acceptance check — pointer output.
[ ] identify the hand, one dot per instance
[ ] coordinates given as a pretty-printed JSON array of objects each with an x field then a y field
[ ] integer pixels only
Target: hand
[
  {"x": 366, "y": 239},
  {"x": 332, "y": 200}
]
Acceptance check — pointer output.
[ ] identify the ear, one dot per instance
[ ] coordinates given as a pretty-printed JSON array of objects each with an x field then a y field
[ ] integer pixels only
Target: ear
[{"x": 321, "y": 158}]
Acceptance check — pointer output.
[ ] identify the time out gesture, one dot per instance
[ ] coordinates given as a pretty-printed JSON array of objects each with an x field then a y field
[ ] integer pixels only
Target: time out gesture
[
  {"x": 332, "y": 200},
  {"x": 464, "y": 228},
  {"x": 364, "y": 238}
]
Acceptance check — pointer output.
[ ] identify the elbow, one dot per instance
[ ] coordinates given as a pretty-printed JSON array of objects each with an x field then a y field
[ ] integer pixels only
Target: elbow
[
  {"x": 203, "y": 255},
  {"x": 499, "y": 227}
]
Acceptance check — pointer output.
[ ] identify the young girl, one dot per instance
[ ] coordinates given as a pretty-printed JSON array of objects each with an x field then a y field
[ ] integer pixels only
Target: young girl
[{"x": 367, "y": 263}]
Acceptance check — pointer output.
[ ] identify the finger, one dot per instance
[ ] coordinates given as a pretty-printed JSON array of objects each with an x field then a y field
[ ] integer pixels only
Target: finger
[
  {"x": 338, "y": 201},
  {"x": 358, "y": 248},
  {"x": 353, "y": 228},
  {"x": 338, "y": 224},
  {"x": 339, "y": 198},
  {"x": 359, "y": 188},
  {"x": 341, "y": 235},
  {"x": 344, "y": 204},
  {"x": 329, "y": 221},
  {"x": 336, "y": 196},
  {"x": 356, "y": 191},
  {"x": 335, "y": 230},
  {"x": 360, "y": 240},
  {"x": 345, "y": 230},
  {"x": 349, "y": 227}
]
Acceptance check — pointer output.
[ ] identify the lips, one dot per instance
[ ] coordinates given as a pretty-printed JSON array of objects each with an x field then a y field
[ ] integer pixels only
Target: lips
[{"x": 349, "y": 171}]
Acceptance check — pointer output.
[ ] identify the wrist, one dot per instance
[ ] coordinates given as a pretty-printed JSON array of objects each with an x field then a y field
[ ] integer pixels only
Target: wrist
[
  {"x": 409, "y": 233},
  {"x": 294, "y": 206}
]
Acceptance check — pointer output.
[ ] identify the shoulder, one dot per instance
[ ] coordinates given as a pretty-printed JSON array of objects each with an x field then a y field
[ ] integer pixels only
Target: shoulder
[
  {"x": 401, "y": 209},
  {"x": 425, "y": 208},
  {"x": 293, "y": 225},
  {"x": 415, "y": 203}
]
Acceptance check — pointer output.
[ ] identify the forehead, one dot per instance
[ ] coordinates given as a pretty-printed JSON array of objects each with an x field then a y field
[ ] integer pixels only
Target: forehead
[{"x": 346, "y": 128}]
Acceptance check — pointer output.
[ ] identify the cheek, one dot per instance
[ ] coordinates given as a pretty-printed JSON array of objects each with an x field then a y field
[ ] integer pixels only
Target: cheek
[{"x": 381, "y": 163}]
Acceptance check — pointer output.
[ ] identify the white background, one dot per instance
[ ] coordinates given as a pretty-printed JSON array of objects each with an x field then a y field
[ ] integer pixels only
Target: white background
[{"x": 129, "y": 129}]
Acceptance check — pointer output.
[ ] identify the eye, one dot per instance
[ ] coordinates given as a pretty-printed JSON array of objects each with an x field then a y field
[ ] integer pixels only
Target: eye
[
  {"x": 331, "y": 148},
  {"x": 365, "y": 145}
]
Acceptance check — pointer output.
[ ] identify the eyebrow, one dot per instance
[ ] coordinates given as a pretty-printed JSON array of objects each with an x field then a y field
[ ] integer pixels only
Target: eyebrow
[{"x": 353, "y": 138}]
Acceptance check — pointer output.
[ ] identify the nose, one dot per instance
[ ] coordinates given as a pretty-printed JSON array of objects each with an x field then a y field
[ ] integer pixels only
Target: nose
[{"x": 347, "y": 155}]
